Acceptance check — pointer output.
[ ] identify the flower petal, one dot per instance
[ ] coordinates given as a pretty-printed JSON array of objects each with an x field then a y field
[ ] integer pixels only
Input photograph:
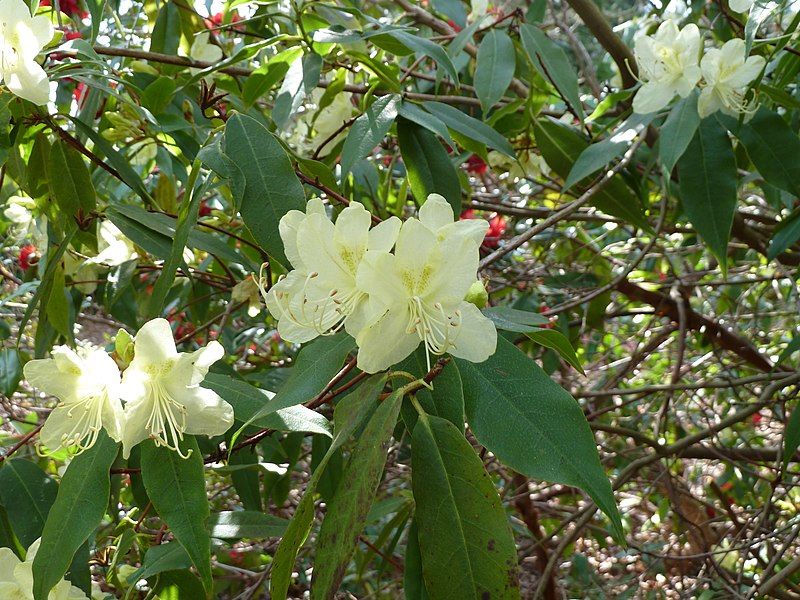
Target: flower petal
[
  {"x": 652, "y": 96},
  {"x": 8, "y": 560},
  {"x": 747, "y": 72},
  {"x": 708, "y": 103},
  {"x": 44, "y": 374},
  {"x": 386, "y": 342},
  {"x": 476, "y": 339},
  {"x": 383, "y": 236},
  {"x": 29, "y": 81},
  {"x": 192, "y": 367},
  {"x": 436, "y": 212},
  {"x": 134, "y": 428},
  {"x": 154, "y": 344},
  {"x": 206, "y": 412}
]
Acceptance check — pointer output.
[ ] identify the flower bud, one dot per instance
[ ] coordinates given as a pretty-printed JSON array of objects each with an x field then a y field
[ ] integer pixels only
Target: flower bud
[{"x": 477, "y": 295}]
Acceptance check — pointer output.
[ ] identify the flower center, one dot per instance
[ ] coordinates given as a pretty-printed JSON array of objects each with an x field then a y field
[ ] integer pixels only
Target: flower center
[
  {"x": 87, "y": 414},
  {"x": 433, "y": 326},
  {"x": 167, "y": 420}
]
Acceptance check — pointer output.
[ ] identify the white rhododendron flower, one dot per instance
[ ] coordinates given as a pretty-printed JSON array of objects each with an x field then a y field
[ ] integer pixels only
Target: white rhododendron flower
[
  {"x": 417, "y": 294},
  {"x": 86, "y": 384},
  {"x": 16, "y": 578},
  {"x": 740, "y": 6},
  {"x": 203, "y": 50},
  {"x": 114, "y": 248},
  {"x": 323, "y": 123},
  {"x": 727, "y": 72},
  {"x": 161, "y": 388},
  {"x": 20, "y": 212},
  {"x": 22, "y": 37},
  {"x": 668, "y": 65},
  {"x": 528, "y": 164},
  {"x": 320, "y": 295}
]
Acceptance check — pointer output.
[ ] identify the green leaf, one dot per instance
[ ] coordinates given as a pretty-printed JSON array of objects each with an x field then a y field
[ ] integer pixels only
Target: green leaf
[
  {"x": 152, "y": 241},
  {"x": 550, "y": 338},
  {"x": 422, "y": 117},
  {"x": 297, "y": 418},
  {"x": 552, "y": 63},
  {"x": 445, "y": 400},
  {"x": 533, "y": 425},
  {"x": 268, "y": 184},
  {"x": 469, "y": 127},
  {"x": 785, "y": 234},
  {"x": 772, "y": 146},
  {"x": 790, "y": 349},
  {"x": 413, "y": 582},
  {"x": 301, "y": 78},
  {"x": 237, "y": 524},
  {"x": 677, "y": 131},
  {"x": 596, "y": 156},
  {"x": 466, "y": 532},
  {"x": 177, "y": 488},
  {"x": 707, "y": 173},
  {"x": 10, "y": 371},
  {"x": 157, "y": 559},
  {"x": 187, "y": 217},
  {"x": 350, "y": 412},
  {"x": 561, "y": 146},
  {"x": 348, "y": 509},
  {"x": 495, "y": 66},
  {"x": 27, "y": 493},
  {"x": 167, "y": 31},
  {"x": 71, "y": 185},
  {"x": 79, "y": 507},
  {"x": 423, "y": 46},
  {"x": 368, "y": 131},
  {"x": 429, "y": 168},
  {"x": 791, "y": 437},
  {"x": 512, "y": 319}
]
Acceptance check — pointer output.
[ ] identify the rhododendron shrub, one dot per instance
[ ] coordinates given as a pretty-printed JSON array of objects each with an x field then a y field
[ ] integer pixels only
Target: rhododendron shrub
[{"x": 441, "y": 299}]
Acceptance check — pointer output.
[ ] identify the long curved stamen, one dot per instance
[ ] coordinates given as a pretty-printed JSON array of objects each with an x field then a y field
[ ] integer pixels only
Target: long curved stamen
[
  {"x": 86, "y": 429},
  {"x": 434, "y": 326},
  {"x": 167, "y": 420}
]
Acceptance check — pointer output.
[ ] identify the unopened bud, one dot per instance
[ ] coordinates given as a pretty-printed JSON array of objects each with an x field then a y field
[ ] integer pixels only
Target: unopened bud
[{"x": 477, "y": 295}]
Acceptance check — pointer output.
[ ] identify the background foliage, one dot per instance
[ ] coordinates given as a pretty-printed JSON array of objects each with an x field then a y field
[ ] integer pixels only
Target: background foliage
[{"x": 643, "y": 265}]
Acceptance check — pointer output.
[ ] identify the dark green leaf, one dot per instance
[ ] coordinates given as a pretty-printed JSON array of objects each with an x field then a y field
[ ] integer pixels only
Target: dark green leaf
[
  {"x": 552, "y": 63},
  {"x": 27, "y": 493},
  {"x": 677, "y": 131},
  {"x": 157, "y": 559},
  {"x": 413, "y": 581},
  {"x": 167, "y": 31},
  {"x": 533, "y": 425},
  {"x": 268, "y": 184},
  {"x": 426, "y": 47},
  {"x": 420, "y": 116},
  {"x": 236, "y": 524},
  {"x": 350, "y": 412},
  {"x": 707, "y": 173},
  {"x": 466, "y": 531},
  {"x": 791, "y": 437},
  {"x": 10, "y": 371},
  {"x": 177, "y": 488},
  {"x": 81, "y": 502},
  {"x": 368, "y": 131},
  {"x": 72, "y": 189},
  {"x": 347, "y": 511},
  {"x": 512, "y": 319},
  {"x": 550, "y": 338},
  {"x": 469, "y": 127},
  {"x": 561, "y": 147},
  {"x": 429, "y": 168},
  {"x": 494, "y": 68}
]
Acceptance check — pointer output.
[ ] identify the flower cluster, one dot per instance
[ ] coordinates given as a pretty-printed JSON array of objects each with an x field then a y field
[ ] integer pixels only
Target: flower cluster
[
  {"x": 22, "y": 37},
  {"x": 669, "y": 64},
  {"x": 346, "y": 276},
  {"x": 160, "y": 389},
  {"x": 16, "y": 578}
]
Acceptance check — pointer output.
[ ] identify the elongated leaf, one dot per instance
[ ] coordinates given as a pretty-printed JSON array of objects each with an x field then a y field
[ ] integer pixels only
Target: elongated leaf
[
  {"x": 595, "y": 157},
  {"x": 152, "y": 241},
  {"x": 426, "y": 47},
  {"x": 413, "y": 582},
  {"x": 533, "y": 425},
  {"x": 470, "y": 127},
  {"x": 177, "y": 488},
  {"x": 512, "y": 319},
  {"x": 772, "y": 146},
  {"x": 10, "y": 371},
  {"x": 236, "y": 524},
  {"x": 677, "y": 131},
  {"x": 422, "y": 117},
  {"x": 552, "y": 63},
  {"x": 27, "y": 493},
  {"x": 458, "y": 509},
  {"x": 347, "y": 511},
  {"x": 561, "y": 147},
  {"x": 550, "y": 338},
  {"x": 368, "y": 131},
  {"x": 167, "y": 30},
  {"x": 495, "y": 67},
  {"x": 429, "y": 168},
  {"x": 157, "y": 559},
  {"x": 445, "y": 400},
  {"x": 785, "y": 234},
  {"x": 79, "y": 507},
  {"x": 791, "y": 437},
  {"x": 266, "y": 180},
  {"x": 707, "y": 173},
  {"x": 72, "y": 188},
  {"x": 350, "y": 412}
]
